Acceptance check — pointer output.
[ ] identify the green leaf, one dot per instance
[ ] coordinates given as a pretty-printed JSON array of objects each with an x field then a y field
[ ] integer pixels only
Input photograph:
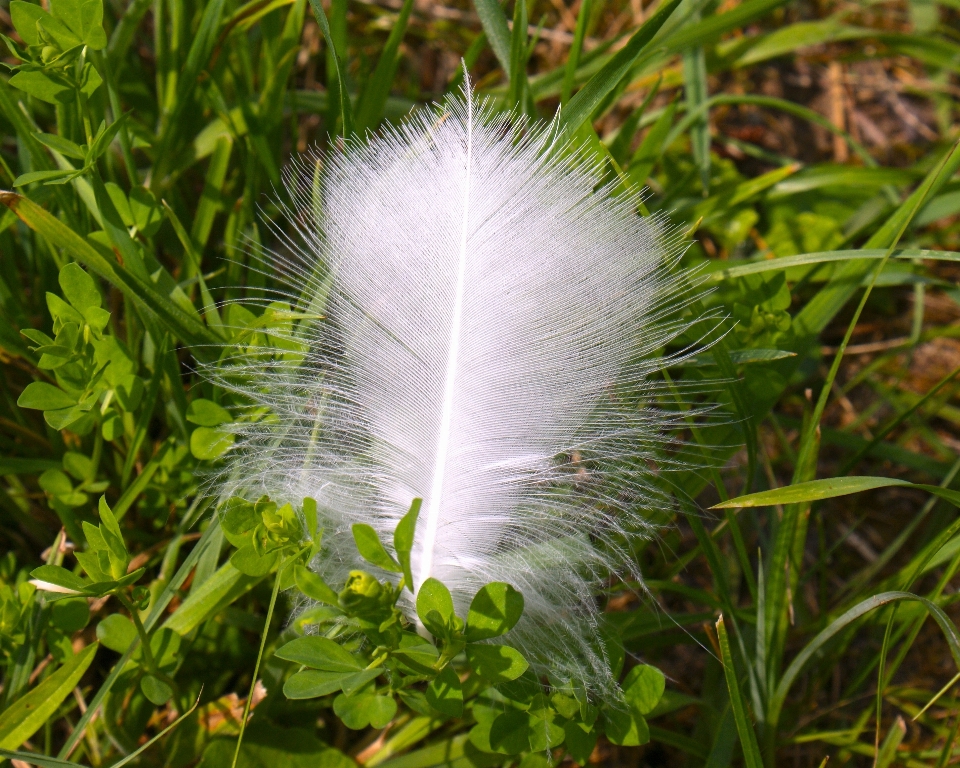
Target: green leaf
[
  {"x": 250, "y": 563},
  {"x": 266, "y": 745},
  {"x": 643, "y": 687},
  {"x": 445, "y": 694},
  {"x": 55, "y": 482},
  {"x": 403, "y": 537},
  {"x": 105, "y": 135},
  {"x": 46, "y": 176},
  {"x": 146, "y": 213},
  {"x": 314, "y": 587},
  {"x": 346, "y": 110},
  {"x": 208, "y": 443},
  {"x": 84, "y": 18},
  {"x": 310, "y": 683},
  {"x": 626, "y": 727},
  {"x": 581, "y": 106},
  {"x": 319, "y": 653},
  {"x": 90, "y": 80},
  {"x": 494, "y": 22},
  {"x": 60, "y": 577},
  {"x": 813, "y": 490},
  {"x": 156, "y": 691},
  {"x": 116, "y": 632},
  {"x": 417, "y": 654},
  {"x": 435, "y": 607},
  {"x": 579, "y": 742},
  {"x": 238, "y": 519},
  {"x": 53, "y": 89},
  {"x": 70, "y": 615},
  {"x": 25, "y": 16},
  {"x": 129, "y": 389},
  {"x": 27, "y": 714},
  {"x": 496, "y": 663},
  {"x": 207, "y": 413},
  {"x": 500, "y": 731},
  {"x": 495, "y": 610},
  {"x": 310, "y": 518},
  {"x": 44, "y": 397},
  {"x": 358, "y": 712},
  {"x": 371, "y": 548},
  {"x": 748, "y": 738},
  {"x": 111, "y": 526},
  {"x": 353, "y": 683}
]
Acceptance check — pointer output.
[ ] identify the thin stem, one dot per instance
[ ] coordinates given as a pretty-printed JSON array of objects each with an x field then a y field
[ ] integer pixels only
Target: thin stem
[
  {"x": 142, "y": 632},
  {"x": 263, "y": 644}
]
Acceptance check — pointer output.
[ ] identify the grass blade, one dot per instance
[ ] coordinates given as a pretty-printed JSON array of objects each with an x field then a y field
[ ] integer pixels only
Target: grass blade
[
  {"x": 581, "y": 106},
  {"x": 373, "y": 100},
  {"x": 27, "y": 714},
  {"x": 748, "y": 739},
  {"x": 346, "y": 111},
  {"x": 494, "y": 23}
]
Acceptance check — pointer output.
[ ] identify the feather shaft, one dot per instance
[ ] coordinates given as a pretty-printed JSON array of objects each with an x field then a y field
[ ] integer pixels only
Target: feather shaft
[{"x": 435, "y": 497}]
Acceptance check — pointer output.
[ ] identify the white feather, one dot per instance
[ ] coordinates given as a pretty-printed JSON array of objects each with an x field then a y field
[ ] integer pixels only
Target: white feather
[{"x": 492, "y": 319}]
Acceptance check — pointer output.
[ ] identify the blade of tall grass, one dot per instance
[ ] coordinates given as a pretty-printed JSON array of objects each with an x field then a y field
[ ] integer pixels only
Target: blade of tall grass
[
  {"x": 517, "y": 90},
  {"x": 573, "y": 55},
  {"x": 141, "y": 292},
  {"x": 211, "y": 199},
  {"x": 373, "y": 99},
  {"x": 748, "y": 738},
  {"x": 581, "y": 106},
  {"x": 771, "y": 102},
  {"x": 343, "y": 98},
  {"x": 716, "y": 271},
  {"x": 695, "y": 93},
  {"x": 201, "y": 48},
  {"x": 820, "y": 310},
  {"x": 25, "y": 716},
  {"x": 778, "y": 697}
]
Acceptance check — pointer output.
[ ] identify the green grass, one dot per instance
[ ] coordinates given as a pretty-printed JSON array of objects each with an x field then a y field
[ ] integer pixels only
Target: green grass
[{"x": 815, "y": 619}]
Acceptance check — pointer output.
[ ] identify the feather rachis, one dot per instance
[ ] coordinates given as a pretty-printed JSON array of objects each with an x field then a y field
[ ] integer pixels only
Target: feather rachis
[{"x": 435, "y": 494}]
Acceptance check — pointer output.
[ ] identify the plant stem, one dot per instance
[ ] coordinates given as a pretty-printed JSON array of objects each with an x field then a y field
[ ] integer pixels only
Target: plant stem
[
  {"x": 142, "y": 632},
  {"x": 263, "y": 643}
]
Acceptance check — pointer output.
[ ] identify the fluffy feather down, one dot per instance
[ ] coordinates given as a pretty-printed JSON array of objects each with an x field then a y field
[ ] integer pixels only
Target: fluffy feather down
[{"x": 491, "y": 322}]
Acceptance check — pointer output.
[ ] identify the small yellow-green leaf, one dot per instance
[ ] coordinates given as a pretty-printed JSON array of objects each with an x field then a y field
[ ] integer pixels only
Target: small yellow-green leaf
[
  {"x": 445, "y": 693},
  {"x": 495, "y": 610},
  {"x": 403, "y": 540},
  {"x": 496, "y": 663},
  {"x": 207, "y": 413},
  {"x": 78, "y": 287},
  {"x": 319, "y": 653},
  {"x": 44, "y": 397},
  {"x": 435, "y": 607},
  {"x": 314, "y": 587},
  {"x": 116, "y": 632},
  {"x": 210, "y": 443},
  {"x": 372, "y": 549}
]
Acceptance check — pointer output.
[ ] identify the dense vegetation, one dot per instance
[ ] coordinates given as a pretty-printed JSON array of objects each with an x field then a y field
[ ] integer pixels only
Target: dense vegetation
[{"x": 804, "y": 150}]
